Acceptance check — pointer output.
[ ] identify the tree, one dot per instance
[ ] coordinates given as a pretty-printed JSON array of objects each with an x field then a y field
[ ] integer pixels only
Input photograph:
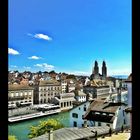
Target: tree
[
  {"x": 12, "y": 137},
  {"x": 43, "y": 127}
]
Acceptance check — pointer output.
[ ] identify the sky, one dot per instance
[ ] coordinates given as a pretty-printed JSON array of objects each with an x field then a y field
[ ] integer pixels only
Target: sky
[{"x": 69, "y": 35}]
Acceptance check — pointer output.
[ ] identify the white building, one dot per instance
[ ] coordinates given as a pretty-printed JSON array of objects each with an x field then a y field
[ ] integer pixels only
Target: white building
[
  {"x": 48, "y": 89},
  {"x": 81, "y": 96},
  {"x": 77, "y": 113},
  {"x": 64, "y": 86},
  {"x": 21, "y": 94},
  {"x": 65, "y": 100},
  {"x": 111, "y": 114}
]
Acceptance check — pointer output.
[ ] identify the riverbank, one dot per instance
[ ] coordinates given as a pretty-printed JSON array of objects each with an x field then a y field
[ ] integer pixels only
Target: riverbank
[{"x": 33, "y": 115}]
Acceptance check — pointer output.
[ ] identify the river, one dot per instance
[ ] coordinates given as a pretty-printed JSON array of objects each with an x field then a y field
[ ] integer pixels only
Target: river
[{"x": 21, "y": 129}]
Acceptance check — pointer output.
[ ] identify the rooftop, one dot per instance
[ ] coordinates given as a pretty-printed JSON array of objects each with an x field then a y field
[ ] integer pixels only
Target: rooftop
[
  {"x": 75, "y": 133},
  {"x": 19, "y": 87},
  {"x": 49, "y": 82}
]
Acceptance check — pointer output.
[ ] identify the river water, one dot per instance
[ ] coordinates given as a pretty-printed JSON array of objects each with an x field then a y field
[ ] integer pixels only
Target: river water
[{"x": 21, "y": 129}]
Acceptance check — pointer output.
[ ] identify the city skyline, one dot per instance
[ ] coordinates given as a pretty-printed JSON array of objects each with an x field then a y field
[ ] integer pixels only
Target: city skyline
[{"x": 69, "y": 36}]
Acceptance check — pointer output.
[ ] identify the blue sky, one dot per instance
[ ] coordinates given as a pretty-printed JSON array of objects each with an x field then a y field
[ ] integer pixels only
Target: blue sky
[{"x": 69, "y": 35}]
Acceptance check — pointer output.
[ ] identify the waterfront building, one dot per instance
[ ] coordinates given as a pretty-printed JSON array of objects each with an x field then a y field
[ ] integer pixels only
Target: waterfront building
[
  {"x": 65, "y": 100},
  {"x": 77, "y": 113},
  {"x": 81, "y": 96},
  {"x": 20, "y": 94},
  {"x": 47, "y": 90},
  {"x": 108, "y": 114}
]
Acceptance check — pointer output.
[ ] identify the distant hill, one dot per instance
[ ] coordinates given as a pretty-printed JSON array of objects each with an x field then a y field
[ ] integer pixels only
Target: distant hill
[{"x": 120, "y": 76}]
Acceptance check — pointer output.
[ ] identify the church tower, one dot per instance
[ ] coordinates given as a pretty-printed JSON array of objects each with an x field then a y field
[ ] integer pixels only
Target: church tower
[
  {"x": 96, "y": 70},
  {"x": 104, "y": 70}
]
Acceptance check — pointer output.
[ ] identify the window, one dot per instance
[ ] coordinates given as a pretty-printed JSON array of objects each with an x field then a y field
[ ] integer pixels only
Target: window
[
  {"x": 16, "y": 94},
  {"x": 124, "y": 121},
  {"x": 75, "y": 124},
  {"x": 30, "y": 93},
  {"x": 12, "y": 94},
  {"x": 79, "y": 108},
  {"x": 74, "y": 115},
  {"x": 99, "y": 123},
  {"x": 123, "y": 112},
  {"x": 85, "y": 108}
]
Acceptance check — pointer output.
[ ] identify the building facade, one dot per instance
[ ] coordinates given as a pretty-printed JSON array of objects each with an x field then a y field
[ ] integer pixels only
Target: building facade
[
  {"x": 47, "y": 90},
  {"x": 77, "y": 113},
  {"x": 108, "y": 114},
  {"x": 20, "y": 95}
]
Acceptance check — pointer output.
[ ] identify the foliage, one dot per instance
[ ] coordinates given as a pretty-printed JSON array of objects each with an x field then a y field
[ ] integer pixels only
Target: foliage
[
  {"x": 43, "y": 127},
  {"x": 71, "y": 76},
  {"x": 52, "y": 72},
  {"x": 12, "y": 137}
]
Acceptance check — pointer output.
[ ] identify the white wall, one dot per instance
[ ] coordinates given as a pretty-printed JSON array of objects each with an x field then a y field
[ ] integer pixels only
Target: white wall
[
  {"x": 129, "y": 86},
  {"x": 119, "y": 118},
  {"x": 80, "y": 113},
  {"x": 81, "y": 98}
]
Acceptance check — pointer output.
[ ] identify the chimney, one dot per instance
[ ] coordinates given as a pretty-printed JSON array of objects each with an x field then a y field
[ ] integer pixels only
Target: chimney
[{"x": 50, "y": 134}]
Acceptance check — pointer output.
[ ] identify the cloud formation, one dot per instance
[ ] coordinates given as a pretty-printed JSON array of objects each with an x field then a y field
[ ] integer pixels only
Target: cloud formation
[
  {"x": 35, "y": 57},
  {"x": 12, "y": 51},
  {"x": 13, "y": 66},
  {"x": 27, "y": 68},
  {"x": 45, "y": 66},
  {"x": 41, "y": 36}
]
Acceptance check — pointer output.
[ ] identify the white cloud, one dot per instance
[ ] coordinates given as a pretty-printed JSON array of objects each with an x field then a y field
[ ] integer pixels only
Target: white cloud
[
  {"x": 27, "y": 68},
  {"x": 41, "y": 36},
  {"x": 12, "y": 51},
  {"x": 45, "y": 66},
  {"x": 34, "y": 57},
  {"x": 13, "y": 66}
]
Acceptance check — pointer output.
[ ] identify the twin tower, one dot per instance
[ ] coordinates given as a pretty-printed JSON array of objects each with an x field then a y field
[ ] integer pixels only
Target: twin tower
[{"x": 95, "y": 72}]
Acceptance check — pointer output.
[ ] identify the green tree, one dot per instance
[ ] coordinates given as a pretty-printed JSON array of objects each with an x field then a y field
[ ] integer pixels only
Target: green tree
[
  {"x": 12, "y": 137},
  {"x": 43, "y": 127}
]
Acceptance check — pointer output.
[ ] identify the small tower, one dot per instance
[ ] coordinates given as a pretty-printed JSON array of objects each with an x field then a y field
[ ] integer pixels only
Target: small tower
[{"x": 104, "y": 70}]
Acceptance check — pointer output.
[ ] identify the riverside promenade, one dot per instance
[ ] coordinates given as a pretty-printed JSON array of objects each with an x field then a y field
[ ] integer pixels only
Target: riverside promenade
[
  {"x": 25, "y": 113},
  {"x": 33, "y": 115}
]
